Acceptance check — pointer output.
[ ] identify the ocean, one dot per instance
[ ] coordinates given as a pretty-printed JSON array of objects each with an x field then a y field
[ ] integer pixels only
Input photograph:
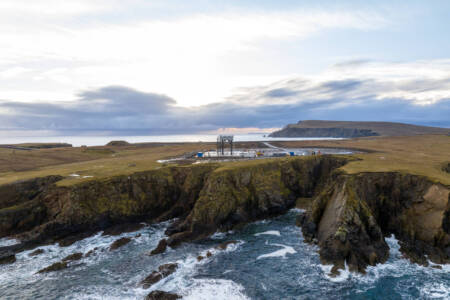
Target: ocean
[
  {"x": 269, "y": 261},
  {"x": 77, "y": 141}
]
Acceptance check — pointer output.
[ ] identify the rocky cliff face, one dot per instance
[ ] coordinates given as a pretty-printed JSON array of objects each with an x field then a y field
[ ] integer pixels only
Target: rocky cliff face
[
  {"x": 323, "y": 132},
  {"x": 151, "y": 196},
  {"x": 349, "y": 215},
  {"x": 20, "y": 206},
  {"x": 350, "y": 219},
  {"x": 236, "y": 196},
  {"x": 205, "y": 198}
]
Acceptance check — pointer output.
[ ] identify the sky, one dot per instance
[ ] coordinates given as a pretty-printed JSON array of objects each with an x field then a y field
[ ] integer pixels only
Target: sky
[{"x": 174, "y": 66}]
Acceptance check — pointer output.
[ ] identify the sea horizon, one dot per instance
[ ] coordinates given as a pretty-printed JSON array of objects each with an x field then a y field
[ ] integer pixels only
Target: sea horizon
[{"x": 99, "y": 140}]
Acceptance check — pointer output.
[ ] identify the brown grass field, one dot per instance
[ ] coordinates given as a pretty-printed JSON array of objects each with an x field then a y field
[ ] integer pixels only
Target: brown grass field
[{"x": 421, "y": 155}]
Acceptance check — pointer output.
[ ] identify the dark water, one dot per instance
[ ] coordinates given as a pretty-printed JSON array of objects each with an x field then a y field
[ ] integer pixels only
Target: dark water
[{"x": 269, "y": 262}]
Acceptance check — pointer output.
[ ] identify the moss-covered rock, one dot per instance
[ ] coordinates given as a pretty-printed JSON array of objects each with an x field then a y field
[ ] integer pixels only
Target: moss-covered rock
[
  {"x": 204, "y": 198},
  {"x": 20, "y": 206},
  {"x": 234, "y": 196}
]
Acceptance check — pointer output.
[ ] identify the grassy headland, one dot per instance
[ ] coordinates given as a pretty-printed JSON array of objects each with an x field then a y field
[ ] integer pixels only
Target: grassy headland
[{"x": 421, "y": 155}]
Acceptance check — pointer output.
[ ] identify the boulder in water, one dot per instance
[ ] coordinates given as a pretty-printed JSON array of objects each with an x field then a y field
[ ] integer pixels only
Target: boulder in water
[
  {"x": 72, "y": 257},
  {"x": 155, "y": 276},
  {"x": 224, "y": 245},
  {"x": 36, "y": 252},
  {"x": 119, "y": 243},
  {"x": 160, "y": 295},
  {"x": 7, "y": 257},
  {"x": 90, "y": 252},
  {"x": 55, "y": 267},
  {"x": 162, "y": 246}
]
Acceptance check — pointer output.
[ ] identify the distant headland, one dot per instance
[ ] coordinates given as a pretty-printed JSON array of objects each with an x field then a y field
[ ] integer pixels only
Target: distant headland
[{"x": 350, "y": 129}]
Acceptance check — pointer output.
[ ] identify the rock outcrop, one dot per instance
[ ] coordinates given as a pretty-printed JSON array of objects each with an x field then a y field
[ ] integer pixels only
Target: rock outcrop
[
  {"x": 47, "y": 213},
  {"x": 21, "y": 208},
  {"x": 73, "y": 257},
  {"x": 7, "y": 257},
  {"x": 36, "y": 252},
  {"x": 238, "y": 195},
  {"x": 161, "y": 295},
  {"x": 350, "y": 219},
  {"x": 160, "y": 248},
  {"x": 155, "y": 276},
  {"x": 58, "y": 266},
  {"x": 119, "y": 243}
]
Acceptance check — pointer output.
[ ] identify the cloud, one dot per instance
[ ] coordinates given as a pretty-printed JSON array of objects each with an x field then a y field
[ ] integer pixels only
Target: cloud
[
  {"x": 195, "y": 57},
  {"x": 342, "y": 85},
  {"x": 48, "y": 8},
  {"x": 119, "y": 110},
  {"x": 108, "y": 108},
  {"x": 280, "y": 93},
  {"x": 419, "y": 82},
  {"x": 122, "y": 100}
]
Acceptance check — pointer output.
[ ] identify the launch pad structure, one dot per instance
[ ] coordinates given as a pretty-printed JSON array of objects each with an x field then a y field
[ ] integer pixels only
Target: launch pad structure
[{"x": 222, "y": 141}]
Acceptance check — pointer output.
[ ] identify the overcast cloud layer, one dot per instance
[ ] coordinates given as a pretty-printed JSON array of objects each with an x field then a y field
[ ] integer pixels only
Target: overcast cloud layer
[
  {"x": 403, "y": 97},
  {"x": 171, "y": 66}
]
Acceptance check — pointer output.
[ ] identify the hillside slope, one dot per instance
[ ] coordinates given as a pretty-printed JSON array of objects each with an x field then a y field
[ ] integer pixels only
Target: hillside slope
[{"x": 349, "y": 129}]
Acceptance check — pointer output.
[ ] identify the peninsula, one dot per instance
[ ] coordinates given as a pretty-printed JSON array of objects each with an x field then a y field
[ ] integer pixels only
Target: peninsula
[{"x": 349, "y": 129}]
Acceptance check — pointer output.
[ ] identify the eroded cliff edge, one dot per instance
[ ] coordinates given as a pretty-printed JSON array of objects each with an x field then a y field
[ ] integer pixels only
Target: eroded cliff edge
[
  {"x": 205, "y": 198},
  {"x": 349, "y": 216}
]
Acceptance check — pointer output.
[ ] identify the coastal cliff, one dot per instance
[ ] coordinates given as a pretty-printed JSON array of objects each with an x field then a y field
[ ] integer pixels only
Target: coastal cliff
[
  {"x": 350, "y": 129},
  {"x": 290, "y": 131},
  {"x": 348, "y": 218}
]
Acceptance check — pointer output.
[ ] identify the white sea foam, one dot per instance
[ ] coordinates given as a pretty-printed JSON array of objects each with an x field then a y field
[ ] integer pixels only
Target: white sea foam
[
  {"x": 26, "y": 267},
  {"x": 279, "y": 253},
  {"x": 436, "y": 291},
  {"x": 220, "y": 235},
  {"x": 269, "y": 232},
  {"x": 8, "y": 242},
  {"x": 396, "y": 266},
  {"x": 100, "y": 293},
  {"x": 217, "y": 289},
  {"x": 182, "y": 282},
  {"x": 344, "y": 274}
]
